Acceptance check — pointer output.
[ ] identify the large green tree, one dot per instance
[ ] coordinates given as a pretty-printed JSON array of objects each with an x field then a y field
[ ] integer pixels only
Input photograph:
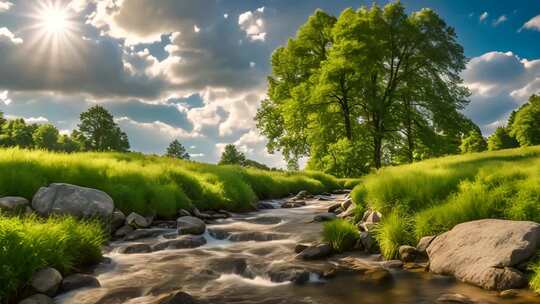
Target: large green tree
[
  {"x": 375, "y": 76},
  {"x": 98, "y": 131},
  {"x": 474, "y": 142},
  {"x": 46, "y": 137},
  {"x": 501, "y": 139},
  {"x": 177, "y": 150},
  {"x": 16, "y": 133},
  {"x": 231, "y": 156},
  {"x": 525, "y": 124}
]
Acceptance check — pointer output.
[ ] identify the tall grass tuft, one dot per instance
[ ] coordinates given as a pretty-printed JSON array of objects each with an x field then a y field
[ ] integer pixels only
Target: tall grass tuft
[
  {"x": 393, "y": 231},
  {"x": 29, "y": 244},
  {"x": 340, "y": 234}
]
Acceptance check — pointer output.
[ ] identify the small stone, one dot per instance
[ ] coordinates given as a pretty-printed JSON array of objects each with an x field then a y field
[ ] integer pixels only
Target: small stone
[
  {"x": 423, "y": 244},
  {"x": 324, "y": 217},
  {"x": 293, "y": 204},
  {"x": 319, "y": 251},
  {"x": 346, "y": 204},
  {"x": 371, "y": 216},
  {"x": 300, "y": 247},
  {"x": 123, "y": 231},
  {"x": 264, "y": 205},
  {"x": 408, "y": 253},
  {"x": 334, "y": 207},
  {"x": 37, "y": 299},
  {"x": 190, "y": 225},
  {"x": 135, "y": 248},
  {"x": 186, "y": 241},
  {"x": 349, "y": 212},
  {"x": 77, "y": 281},
  {"x": 46, "y": 281},
  {"x": 391, "y": 264},
  {"x": 453, "y": 298},
  {"x": 137, "y": 221},
  {"x": 13, "y": 204},
  {"x": 117, "y": 220},
  {"x": 144, "y": 233},
  {"x": 509, "y": 294},
  {"x": 368, "y": 242},
  {"x": 178, "y": 298},
  {"x": 183, "y": 212}
]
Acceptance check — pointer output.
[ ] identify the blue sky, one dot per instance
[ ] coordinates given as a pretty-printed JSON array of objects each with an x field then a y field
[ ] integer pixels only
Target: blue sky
[{"x": 195, "y": 70}]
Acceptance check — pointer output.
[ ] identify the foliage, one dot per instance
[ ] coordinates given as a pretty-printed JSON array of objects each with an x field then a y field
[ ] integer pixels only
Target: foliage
[
  {"x": 501, "y": 139},
  {"x": 177, "y": 150},
  {"x": 340, "y": 234},
  {"x": 29, "y": 244},
  {"x": 16, "y": 133},
  {"x": 474, "y": 142},
  {"x": 432, "y": 196},
  {"x": 231, "y": 156},
  {"x": 46, "y": 137},
  {"x": 525, "y": 125},
  {"x": 534, "y": 281},
  {"x": 99, "y": 132},
  {"x": 145, "y": 184},
  {"x": 373, "y": 83}
]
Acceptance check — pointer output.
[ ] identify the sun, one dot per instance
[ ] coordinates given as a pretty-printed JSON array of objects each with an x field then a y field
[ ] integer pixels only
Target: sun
[{"x": 54, "y": 20}]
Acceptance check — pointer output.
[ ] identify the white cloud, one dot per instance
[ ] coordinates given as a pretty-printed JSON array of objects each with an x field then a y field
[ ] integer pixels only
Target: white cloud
[
  {"x": 158, "y": 127},
  {"x": 7, "y": 35},
  {"x": 226, "y": 16},
  {"x": 196, "y": 155},
  {"x": 533, "y": 24},
  {"x": 4, "y": 97},
  {"x": 30, "y": 120},
  {"x": 500, "y": 20},
  {"x": 5, "y": 6},
  {"x": 483, "y": 16},
  {"x": 253, "y": 24},
  {"x": 196, "y": 29}
]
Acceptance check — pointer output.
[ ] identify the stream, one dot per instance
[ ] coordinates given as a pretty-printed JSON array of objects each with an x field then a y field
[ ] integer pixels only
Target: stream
[{"x": 250, "y": 258}]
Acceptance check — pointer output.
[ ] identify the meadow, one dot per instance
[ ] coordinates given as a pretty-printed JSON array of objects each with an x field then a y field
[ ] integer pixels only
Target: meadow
[
  {"x": 430, "y": 197},
  {"x": 154, "y": 184}
]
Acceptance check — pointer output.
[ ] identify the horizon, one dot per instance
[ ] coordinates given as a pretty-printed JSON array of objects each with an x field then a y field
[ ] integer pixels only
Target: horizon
[{"x": 196, "y": 71}]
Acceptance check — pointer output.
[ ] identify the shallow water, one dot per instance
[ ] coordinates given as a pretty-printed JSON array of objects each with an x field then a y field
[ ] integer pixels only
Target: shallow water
[{"x": 223, "y": 271}]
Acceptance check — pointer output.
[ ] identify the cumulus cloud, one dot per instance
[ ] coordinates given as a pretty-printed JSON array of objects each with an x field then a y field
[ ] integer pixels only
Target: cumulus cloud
[
  {"x": 252, "y": 23},
  {"x": 500, "y": 20},
  {"x": 30, "y": 120},
  {"x": 6, "y": 36},
  {"x": 532, "y": 24},
  {"x": 483, "y": 16},
  {"x": 499, "y": 83},
  {"x": 5, "y": 6}
]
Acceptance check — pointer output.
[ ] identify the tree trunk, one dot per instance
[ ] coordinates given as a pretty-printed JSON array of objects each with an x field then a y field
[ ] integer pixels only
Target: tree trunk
[{"x": 409, "y": 131}]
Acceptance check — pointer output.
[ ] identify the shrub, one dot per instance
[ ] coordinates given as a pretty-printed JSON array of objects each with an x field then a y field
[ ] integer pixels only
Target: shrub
[
  {"x": 393, "y": 231},
  {"x": 340, "y": 234},
  {"x": 534, "y": 280},
  {"x": 29, "y": 244}
]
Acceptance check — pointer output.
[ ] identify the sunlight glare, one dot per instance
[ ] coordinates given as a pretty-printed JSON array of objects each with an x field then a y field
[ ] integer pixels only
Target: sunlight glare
[{"x": 54, "y": 20}]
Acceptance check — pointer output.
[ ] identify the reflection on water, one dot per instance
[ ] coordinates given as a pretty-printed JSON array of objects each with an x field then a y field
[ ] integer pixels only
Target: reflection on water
[{"x": 252, "y": 269}]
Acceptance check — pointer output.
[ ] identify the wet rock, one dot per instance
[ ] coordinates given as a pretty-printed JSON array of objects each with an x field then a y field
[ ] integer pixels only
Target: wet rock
[
  {"x": 293, "y": 204},
  {"x": 164, "y": 224},
  {"x": 46, "y": 281},
  {"x": 190, "y": 225},
  {"x": 349, "y": 212},
  {"x": 123, "y": 231},
  {"x": 186, "y": 241},
  {"x": 341, "y": 191},
  {"x": 484, "y": 252},
  {"x": 137, "y": 221},
  {"x": 300, "y": 247},
  {"x": 171, "y": 235},
  {"x": 509, "y": 294},
  {"x": 368, "y": 242},
  {"x": 77, "y": 281},
  {"x": 117, "y": 220},
  {"x": 371, "y": 217},
  {"x": 364, "y": 226},
  {"x": 179, "y": 298},
  {"x": 257, "y": 236},
  {"x": 264, "y": 205},
  {"x": 324, "y": 217},
  {"x": 302, "y": 195},
  {"x": 80, "y": 202},
  {"x": 144, "y": 233},
  {"x": 424, "y": 243},
  {"x": 287, "y": 273},
  {"x": 323, "y": 197},
  {"x": 346, "y": 204},
  {"x": 413, "y": 265},
  {"x": 392, "y": 264},
  {"x": 314, "y": 252},
  {"x": 183, "y": 212},
  {"x": 219, "y": 234},
  {"x": 135, "y": 248},
  {"x": 368, "y": 273},
  {"x": 13, "y": 204},
  {"x": 37, "y": 299},
  {"x": 334, "y": 207},
  {"x": 408, "y": 253},
  {"x": 454, "y": 298},
  {"x": 264, "y": 220}
]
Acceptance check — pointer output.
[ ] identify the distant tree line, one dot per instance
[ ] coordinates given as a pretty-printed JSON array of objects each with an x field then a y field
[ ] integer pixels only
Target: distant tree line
[{"x": 96, "y": 131}]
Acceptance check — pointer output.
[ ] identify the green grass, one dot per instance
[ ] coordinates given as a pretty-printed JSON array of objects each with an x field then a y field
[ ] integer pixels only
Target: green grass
[
  {"x": 29, "y": 244},
  {"x": 341, "y": 235},
  {"x": 154, "y": 184},
  {"x": 432, "y": 196}
]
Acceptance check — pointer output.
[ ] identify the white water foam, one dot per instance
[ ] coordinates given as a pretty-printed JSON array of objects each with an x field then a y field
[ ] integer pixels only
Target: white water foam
[{"x": 259, "y": 281}]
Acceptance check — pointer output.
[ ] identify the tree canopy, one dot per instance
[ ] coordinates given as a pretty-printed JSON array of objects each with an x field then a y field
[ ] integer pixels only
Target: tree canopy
[
  {"x": 387, "y": 82},
  {"x": 501, "y": 139},
  {"x": 46, "y": 137},
  {"x": 98, "y": 131},
  {"x": 177, "y": 150},
  {"x": 474, "y": 142},
  {"x": 525, "y": 123},
  {"x": 231, "y": 156}
]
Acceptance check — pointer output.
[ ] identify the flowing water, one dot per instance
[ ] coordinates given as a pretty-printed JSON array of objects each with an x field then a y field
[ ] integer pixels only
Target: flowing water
[{"x": 255, "y": 268}]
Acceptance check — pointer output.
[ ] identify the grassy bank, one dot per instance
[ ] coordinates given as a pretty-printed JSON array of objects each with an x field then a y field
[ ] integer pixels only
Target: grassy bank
[
  {"x": 29, "y": 244},
  {"x": 432, "y": 196},
  {"x": 150, "y": 183}
]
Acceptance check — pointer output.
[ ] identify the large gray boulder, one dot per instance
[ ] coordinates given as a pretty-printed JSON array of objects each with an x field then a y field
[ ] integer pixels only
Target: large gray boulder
[
  {"x": 485, "y": 252},
  {"x": 46, "y": 281},
  {"x": 190, "y": 225},
  {"x": 13, "y": 204},
  {"x": 73, "y": 200}
]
